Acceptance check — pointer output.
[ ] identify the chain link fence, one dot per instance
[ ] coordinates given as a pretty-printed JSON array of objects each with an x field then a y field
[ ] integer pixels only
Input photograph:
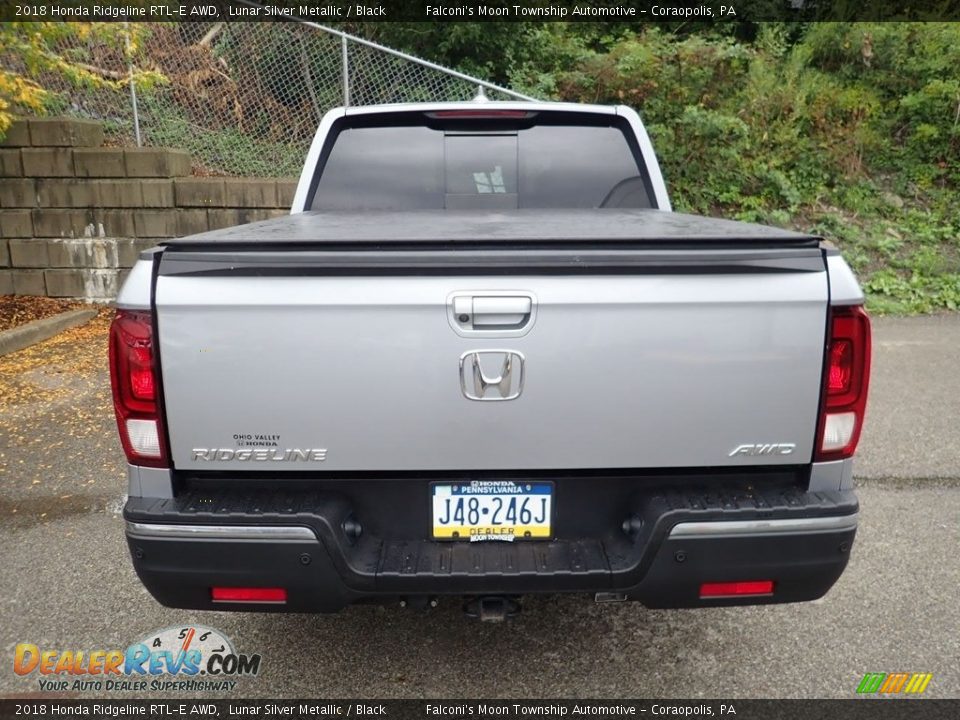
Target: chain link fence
[{"x": 245, "y": 98}]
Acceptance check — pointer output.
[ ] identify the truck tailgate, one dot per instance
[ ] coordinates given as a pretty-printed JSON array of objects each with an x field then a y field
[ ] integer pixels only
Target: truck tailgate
[{"x": 304, "y": 360}]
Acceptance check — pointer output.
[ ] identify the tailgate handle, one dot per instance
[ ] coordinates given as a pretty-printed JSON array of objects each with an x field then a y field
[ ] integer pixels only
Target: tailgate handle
[
  {"x": 500, "y": 311},
  {"x": 489, "y": 313}
]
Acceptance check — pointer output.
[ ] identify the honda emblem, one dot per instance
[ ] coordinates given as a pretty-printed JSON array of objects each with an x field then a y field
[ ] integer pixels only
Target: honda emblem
[{"x": 477, "y": 378}]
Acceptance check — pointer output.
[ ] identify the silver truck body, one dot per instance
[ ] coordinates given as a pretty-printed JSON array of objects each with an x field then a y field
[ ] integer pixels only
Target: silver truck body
[{"x": 373, "y": 354}]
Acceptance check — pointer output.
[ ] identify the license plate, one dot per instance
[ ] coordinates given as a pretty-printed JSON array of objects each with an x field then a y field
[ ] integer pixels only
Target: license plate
[{"x": 492, "y": 510}]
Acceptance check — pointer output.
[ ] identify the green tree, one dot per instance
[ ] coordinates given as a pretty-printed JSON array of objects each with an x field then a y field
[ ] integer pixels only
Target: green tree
[{"x": 31, "y": 51}]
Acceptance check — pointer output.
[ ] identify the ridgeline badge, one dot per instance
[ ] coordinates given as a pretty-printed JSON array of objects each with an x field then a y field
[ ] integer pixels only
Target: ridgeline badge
[{"x": 259, "y": 454}]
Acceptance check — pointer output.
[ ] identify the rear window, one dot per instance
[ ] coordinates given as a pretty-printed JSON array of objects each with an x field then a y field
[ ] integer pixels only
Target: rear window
[{"x": 415, "y": 167}]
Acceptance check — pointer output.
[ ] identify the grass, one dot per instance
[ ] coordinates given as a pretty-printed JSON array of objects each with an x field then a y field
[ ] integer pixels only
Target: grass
[
  {"x": 904, "y": 250},
  {"x": 227, "y": 151}
]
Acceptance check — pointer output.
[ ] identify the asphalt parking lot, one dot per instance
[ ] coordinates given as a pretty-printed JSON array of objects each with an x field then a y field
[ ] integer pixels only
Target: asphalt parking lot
[{"x": 68, "y": 583}]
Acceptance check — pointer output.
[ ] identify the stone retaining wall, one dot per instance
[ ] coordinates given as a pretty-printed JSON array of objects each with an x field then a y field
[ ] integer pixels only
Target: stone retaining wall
[{"x": 74, "y": 215}]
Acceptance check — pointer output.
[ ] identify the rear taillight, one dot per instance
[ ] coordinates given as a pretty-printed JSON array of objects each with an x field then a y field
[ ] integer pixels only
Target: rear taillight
[
  {"x": 845, "y": 383},
  {"x": 134, "y": 381}
]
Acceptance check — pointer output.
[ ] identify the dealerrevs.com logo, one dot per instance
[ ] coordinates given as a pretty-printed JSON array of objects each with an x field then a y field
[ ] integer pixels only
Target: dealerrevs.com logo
[{"x": 185, "y": 658}]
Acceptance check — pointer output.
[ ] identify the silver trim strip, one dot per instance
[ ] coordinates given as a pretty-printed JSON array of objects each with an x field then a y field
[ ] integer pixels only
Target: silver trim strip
[
  {"x": 787, "y": 526},
  {"x": 220, "y": 532}
]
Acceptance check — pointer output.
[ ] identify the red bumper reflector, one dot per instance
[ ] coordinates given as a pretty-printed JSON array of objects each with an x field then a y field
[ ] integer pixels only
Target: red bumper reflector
[
  {"x": 248, "y": 594},
  {"x": 735, "y": 589}
]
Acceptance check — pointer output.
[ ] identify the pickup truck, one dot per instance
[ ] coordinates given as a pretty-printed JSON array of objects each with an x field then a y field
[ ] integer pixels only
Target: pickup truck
[{"x": 482, "y": 358}]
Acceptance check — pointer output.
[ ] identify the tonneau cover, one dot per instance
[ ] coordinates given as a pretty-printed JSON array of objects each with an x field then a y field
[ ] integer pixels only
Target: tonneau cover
[{"x": 515, "y": 226}]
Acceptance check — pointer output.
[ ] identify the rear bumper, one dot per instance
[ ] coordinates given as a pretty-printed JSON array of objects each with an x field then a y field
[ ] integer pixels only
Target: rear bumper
[{"x": 307, "y": 544}]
